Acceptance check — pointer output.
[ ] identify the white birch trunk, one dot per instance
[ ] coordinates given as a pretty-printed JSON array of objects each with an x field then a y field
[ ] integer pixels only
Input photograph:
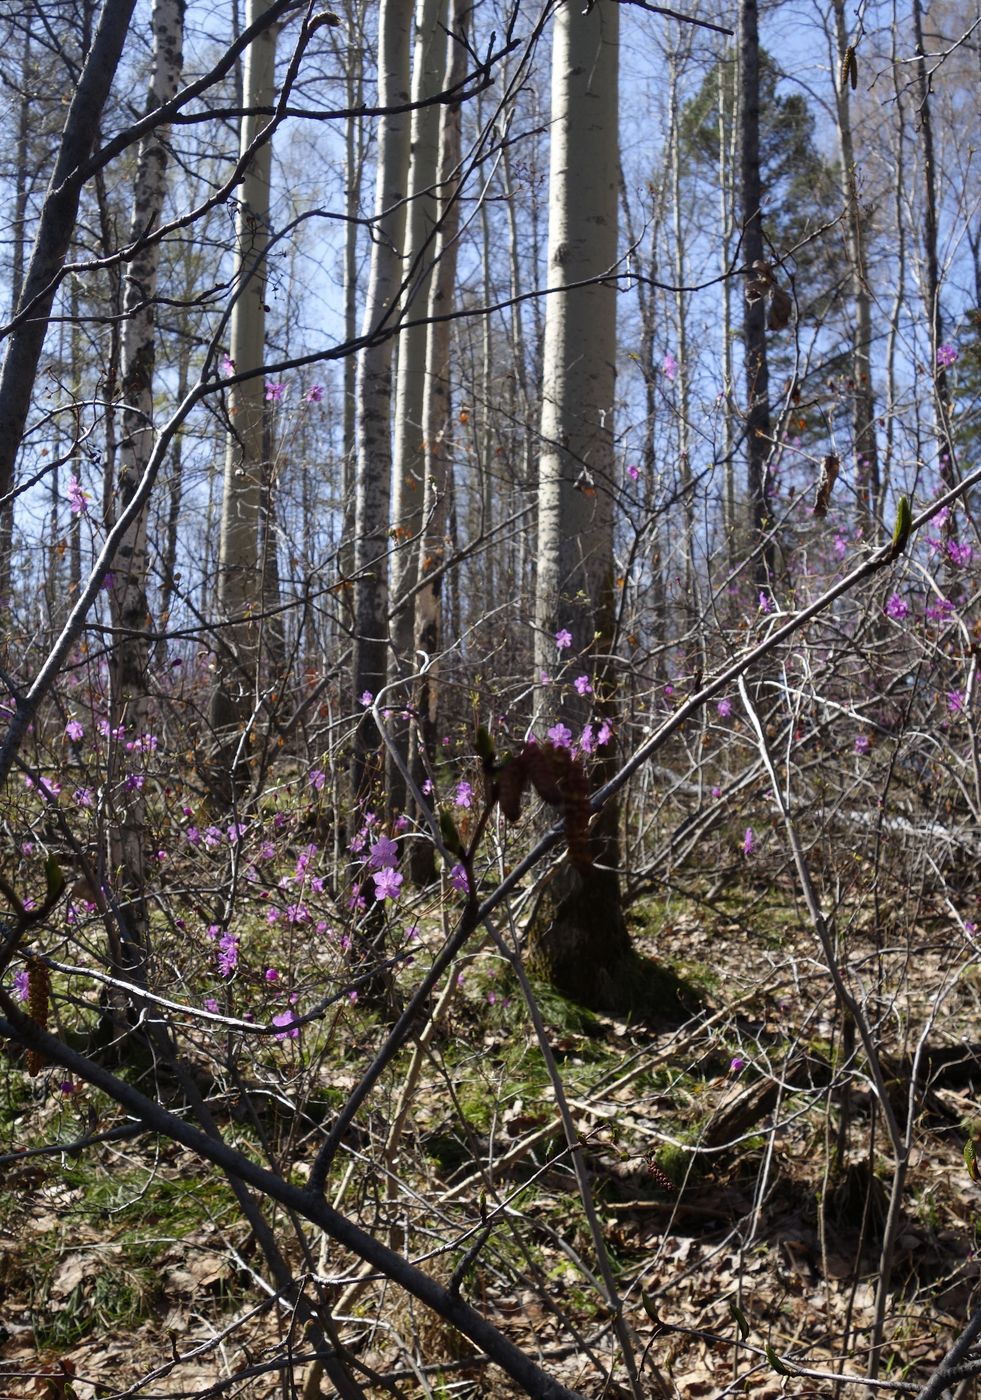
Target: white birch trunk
[
  {"x": 129, "y": 660},
  {"x": 374, "y": 396},
  {"x": 239, "y": 566},
  {"x": 577, "y": 937}
]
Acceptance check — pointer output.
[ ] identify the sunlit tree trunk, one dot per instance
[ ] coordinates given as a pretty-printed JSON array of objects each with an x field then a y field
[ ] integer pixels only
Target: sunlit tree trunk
[
  {"x": 578, "y": 937},
  {"x": 863, "y": 398},
  {"x": 129, "y": 691},
  {"x": 757, "y": 420},
  {"x": 374, "y": 397},
  {"x": 437, "y": 400},
  {"x": 417, "y": 274},
  {"x": 239, "y": 560}
]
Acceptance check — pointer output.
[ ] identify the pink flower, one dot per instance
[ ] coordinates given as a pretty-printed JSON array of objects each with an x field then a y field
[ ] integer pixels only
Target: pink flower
[
  {"x": 946, "y": 356},
  {"x": 384, "y": 854},
  {"x": 76, "y": 497},
  {"x": 271, "y": 974},
  {"x": 74, "y": 731},
  {"x": 724, "y": 708},
  {"x": 366, "y": 698},
  {"x": 633, "y": 473},
  {"x": 897, "y": 607},
  {"x": 317, "y": 779},
  {"x": 736, "y": 1064},
  {"x": 227, "y": 365},
  {"x": 560, "y": 736},
  {"x": 274, "y": 391},
  {"x": 464, "y": 794},
  {"x": 227, "y": 954},
  {"x": 459, "y": 880},
  {"x": 955, "y": 701},
  {"x": 862, "y": 744},
  {"x": 22, "y": 984},
  {"x": 586, "y": 739},
  {"x": 605, "y": 733},
  {"x": 959, "y": 554},
  {"x": 716, "y": 792},
  {"x": 82, "y": 797},
  {"x": 388, "y": 883},
  {"x": 840, "y": 546},
  {"x": 315, "y": 393},
  {"x": 563, "y": 639},
  {"x": 670, "y": 366},
  {"x": 583, "y": 685},
  {"x": 287, "y": 1019},
  {"x": 766, "y": 602},
  {"x": 748, "y": 842}
]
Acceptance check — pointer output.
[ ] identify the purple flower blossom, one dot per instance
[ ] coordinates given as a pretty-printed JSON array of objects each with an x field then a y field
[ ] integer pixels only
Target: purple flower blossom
[
  {"x": 388, "y": 883},
  {"x": 317, "y": 779},
  {"x": 724, "y": 708},
  {"x": 275, "y": 390},
  {"x": 896, "y": 607},
  {"x": 212, "y": 837},
  {"x": 271, "y": 974},
  {"x": 297, "y": 914},
  {"x": 356, "y": 898},
  {"x": 287, "y": 1019},
  {"x": 670, "y": 366},
  {"x": 587, "y": 741},
  {"x": 76, "y": 497},
  {"x": 633, "y": 473},
  {"x": 458, "y": 879},
  {"x": 946, "y": 356},
  {"x": 605, "y": 734},
  {"x": 315, "y": 393},
  {"x": 193, "y": 836},
  {"x": 235, "y": 832},
  {"x": 862, "y": 743},
  {"x": 366, "y": 698},
  {"x": 560, "y": 735},
  {"x": 840, "y": 546},
  {"x": 227, "y": 365},
  {"x": 955, "y": 701},
  {"x": 384, "y": 854},
  {"x": 766, "y": 602},
  {"x": 716, "y": 792},
  {"x": 464, "y": 794},
  {"x": 939, "y": 610},
  {"x": 584, "y": 685},
  {"x": 82, "y": 797},
  {"x": 748, "y": 842},
  {"x": 74, "y": 731},
  {"x": 546, "y": 678},
  {"x": 22, "y": 984},
  {"x": 959, "y": 554},
  {"x": 563, "y": 639},
  {"x": 737, "y": 1064},
  {"x": 227, "y": 954}
]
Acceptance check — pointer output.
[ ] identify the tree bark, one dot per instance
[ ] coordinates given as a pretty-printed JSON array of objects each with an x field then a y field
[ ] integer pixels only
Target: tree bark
[
  {"x": 758, "y": 428},
  {"x": 374, "y": 397},
  {"x": 867, "y": 483},
  {"x": 578, "y": 937},
  {"x": 240, "y": 590},
  {"x": 418, "y": 264},
  {"x": 129, "y": 608}
]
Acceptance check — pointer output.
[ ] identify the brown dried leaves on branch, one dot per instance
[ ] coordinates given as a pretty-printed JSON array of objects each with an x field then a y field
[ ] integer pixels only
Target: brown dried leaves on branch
[{"x": 560, "y": 780}]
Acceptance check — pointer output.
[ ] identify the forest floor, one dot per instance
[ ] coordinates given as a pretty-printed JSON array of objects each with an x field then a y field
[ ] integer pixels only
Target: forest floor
[{"x": 130, "y": 1266}]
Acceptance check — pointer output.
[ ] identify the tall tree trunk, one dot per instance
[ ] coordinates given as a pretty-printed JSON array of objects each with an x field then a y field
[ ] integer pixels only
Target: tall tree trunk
[
  {"x": 239, "y": 561},
  {"x": 941, "y": 392},
  {"x": 374, "y": 397},
  {"x": 437, "y": 403},
  {"x": 577, "y": 936},
  {"x": 129, "y": 694},
  {"x": 867, "y": 484},
  {"x": 353, "y": 168},
  {"x": 56, "y": 227},
  {"x": 757, "y": 422},
  {"x": 417, "y": 274}
]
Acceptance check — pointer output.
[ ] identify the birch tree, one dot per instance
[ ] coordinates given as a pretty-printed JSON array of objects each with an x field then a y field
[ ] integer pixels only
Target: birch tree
[
  {"x": 578, "y": 935},
  {"x": 239, "y": 570},
  {"x": 129, "y": 693},
  {"x": 374, "y": 396}
]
